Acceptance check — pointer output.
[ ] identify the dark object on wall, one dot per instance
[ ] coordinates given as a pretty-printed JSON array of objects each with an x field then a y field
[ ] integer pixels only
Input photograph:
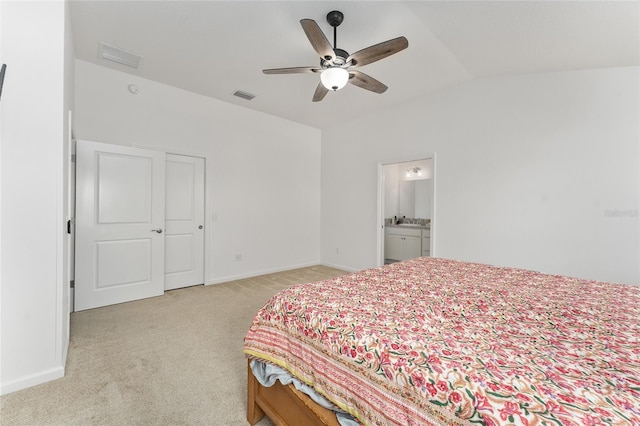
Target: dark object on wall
[{"x": 4, "y": 67}]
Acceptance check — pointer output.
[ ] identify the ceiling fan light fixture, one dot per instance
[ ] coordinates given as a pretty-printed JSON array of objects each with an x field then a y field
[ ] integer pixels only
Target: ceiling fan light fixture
[{"x": 334, "y": 78}]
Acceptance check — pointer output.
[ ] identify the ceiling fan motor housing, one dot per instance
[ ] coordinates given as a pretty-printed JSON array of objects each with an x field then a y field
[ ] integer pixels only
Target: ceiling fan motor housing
[{"x": 339, "y": 61}]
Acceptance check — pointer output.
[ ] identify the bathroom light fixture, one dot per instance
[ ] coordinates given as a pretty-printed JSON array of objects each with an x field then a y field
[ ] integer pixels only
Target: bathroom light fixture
[
  {"x": 416, "y": 170},
  {"x": 334, "y": 78}
]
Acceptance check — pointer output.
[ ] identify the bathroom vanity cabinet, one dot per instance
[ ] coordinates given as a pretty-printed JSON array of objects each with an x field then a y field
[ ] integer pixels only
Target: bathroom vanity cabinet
[{"x": 402, "y": 243}]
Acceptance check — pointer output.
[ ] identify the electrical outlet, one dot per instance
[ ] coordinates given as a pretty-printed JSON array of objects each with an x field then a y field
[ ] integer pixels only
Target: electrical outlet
[{"x": 238, "y": 257}]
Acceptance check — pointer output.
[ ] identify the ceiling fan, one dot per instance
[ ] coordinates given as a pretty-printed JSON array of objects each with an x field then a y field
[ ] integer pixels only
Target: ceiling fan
[{"x": 336, "y": 65}]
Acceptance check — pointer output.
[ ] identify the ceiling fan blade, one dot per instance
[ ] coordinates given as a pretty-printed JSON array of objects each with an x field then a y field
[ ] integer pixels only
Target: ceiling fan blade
[
  {"x": 320, "y": 93},
  {"x": 378, "y": 51},
  {"x": 367, "y": 82},
  {"x": 293, "y": 70},
  {"x": 317, "y": 38}
]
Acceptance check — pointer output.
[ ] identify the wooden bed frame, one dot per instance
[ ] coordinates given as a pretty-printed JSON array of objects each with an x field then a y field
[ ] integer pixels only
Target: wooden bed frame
[{"x": 284, "y": 405}]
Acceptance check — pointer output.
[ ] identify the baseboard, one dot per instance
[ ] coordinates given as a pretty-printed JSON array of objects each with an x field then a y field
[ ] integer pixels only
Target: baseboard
[
  {"x": 258, "y": 273},
  {"x": 32, "y": 380},
  {"x": 336, "y": 266}
]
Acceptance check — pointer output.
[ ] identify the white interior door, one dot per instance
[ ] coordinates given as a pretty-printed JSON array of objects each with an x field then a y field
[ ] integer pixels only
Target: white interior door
[
  {"x": 120, "y": 200},
  {"x": 184, "y": 222}
]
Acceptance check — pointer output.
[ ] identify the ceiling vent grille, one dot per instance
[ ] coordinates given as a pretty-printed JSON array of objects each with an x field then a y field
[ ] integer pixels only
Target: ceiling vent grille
[
  {"x": 244, "y": 95},
  {"x": 115, "y": 54}
]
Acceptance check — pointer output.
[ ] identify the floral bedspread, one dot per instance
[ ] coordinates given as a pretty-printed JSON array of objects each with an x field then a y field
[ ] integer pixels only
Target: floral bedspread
[{"x": 437, "y": 341}]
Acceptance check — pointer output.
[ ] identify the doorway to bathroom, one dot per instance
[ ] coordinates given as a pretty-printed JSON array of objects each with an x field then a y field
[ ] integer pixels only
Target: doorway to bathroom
[{"x": 406, "y": 209}]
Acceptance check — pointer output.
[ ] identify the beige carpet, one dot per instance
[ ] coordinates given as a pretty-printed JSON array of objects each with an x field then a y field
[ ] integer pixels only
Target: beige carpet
[{"x": 170, "y": 360}]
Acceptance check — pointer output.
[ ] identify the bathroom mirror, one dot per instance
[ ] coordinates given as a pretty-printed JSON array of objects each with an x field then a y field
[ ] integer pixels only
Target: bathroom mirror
[{"x": 415, "y": 198}]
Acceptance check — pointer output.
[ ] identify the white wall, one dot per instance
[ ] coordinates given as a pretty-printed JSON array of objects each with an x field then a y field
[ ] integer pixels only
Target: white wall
[
  {"x": 34, "y": 317},
  {"x": 391, "y": 190},
  {"x": 262, "y": 172},
  {"x": 535, "y": 171}
]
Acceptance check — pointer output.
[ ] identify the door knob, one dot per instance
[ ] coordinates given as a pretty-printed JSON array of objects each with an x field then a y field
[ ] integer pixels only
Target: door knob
[
  {"x": 200, "y": 227},
  {"x": 159, "y": 230}
]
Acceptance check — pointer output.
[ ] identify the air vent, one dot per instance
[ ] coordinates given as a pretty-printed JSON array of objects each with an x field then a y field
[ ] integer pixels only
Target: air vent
[
  {"x": 115, "y": 54},
  {"x": 244, "y": 95}
]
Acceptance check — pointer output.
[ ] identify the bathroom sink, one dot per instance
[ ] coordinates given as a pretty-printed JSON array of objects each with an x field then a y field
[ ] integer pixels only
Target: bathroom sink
[{"x": 412, "y": 225}]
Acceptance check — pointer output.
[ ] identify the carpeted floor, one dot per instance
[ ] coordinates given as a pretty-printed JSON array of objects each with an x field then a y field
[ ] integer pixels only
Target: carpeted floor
[{"x": 170, "y": 360}]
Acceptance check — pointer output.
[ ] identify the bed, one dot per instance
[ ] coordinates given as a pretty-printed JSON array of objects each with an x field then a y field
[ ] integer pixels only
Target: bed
[{"x": 440, "y": 342}]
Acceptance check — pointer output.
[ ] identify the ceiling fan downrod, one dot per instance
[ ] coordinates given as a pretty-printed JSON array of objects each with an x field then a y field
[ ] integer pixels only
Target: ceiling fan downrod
[{"x": 335, "y": 18}]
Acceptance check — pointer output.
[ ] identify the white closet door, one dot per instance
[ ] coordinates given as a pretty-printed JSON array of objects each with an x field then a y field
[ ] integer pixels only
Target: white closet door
[
  {"x": 184, "y": 219},
  {"x": 120, "y": 201}
]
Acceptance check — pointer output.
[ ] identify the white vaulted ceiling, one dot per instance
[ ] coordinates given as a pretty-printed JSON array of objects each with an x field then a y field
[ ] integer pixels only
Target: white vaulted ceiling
[{"x": 217, "y": 47}]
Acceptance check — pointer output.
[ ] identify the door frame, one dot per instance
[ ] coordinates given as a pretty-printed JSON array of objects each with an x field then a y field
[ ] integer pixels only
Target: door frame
[{"x": 380, "y": 215}]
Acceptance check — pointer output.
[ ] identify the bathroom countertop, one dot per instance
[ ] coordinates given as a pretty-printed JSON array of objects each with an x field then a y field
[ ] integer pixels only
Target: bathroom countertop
[{"x": 409, "y": 226}]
